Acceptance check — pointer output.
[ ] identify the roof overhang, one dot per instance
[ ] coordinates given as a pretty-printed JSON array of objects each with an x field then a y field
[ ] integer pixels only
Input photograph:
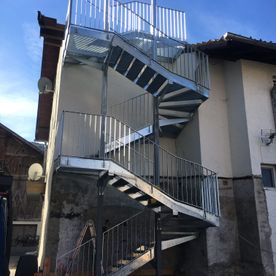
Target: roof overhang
[{"x": 234, "y": 47}]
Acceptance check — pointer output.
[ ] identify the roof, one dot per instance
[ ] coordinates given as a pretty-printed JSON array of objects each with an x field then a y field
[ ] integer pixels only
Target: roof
[
  {"x": 21, "y": 139},
  {"x": 234, "y": 47},
  {"x": 53, "y": 34},
  {"x": 51, "y": 29}
]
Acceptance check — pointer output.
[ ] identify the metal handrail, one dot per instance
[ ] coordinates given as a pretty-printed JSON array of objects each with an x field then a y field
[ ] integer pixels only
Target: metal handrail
[
  {"x": 184, "y": 181},
  {"x": 176, "y": 56},
  {"x": 127, "y": 241},
  {"x": 78, "y": 261}
]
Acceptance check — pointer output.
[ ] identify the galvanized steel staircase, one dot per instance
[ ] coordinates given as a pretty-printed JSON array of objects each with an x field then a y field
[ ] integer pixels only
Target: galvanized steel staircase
[
  {"x": 186, "y": 191},
  {"x": 175, "y": 111}
]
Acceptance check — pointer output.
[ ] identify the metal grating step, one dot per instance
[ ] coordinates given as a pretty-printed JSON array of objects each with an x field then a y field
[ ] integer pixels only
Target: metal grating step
[
  {"x": 145, "y": 77},
  {"x": 135, "y": 70},
  {"x": 156, "y": 84},
  {"x": 120, "y": 183},
  {"x": 132, "y": 190},
  {"x": 116, "y": 52},
  {"x": 124, "y": 62}
]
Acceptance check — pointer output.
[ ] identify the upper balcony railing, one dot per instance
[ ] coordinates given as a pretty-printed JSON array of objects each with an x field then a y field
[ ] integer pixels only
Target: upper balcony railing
[
  {"x": 162, "y": 38},
  {"x": 128, "y": 17}
]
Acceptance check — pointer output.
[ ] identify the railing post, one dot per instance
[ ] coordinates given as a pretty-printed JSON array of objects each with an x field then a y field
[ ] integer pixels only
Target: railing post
[
  {"x": 153, "y": 27},
  {"x": 70, "y": 2},
  {"x": 106, "y": 15},
  {"x": 158, "y": 245}
]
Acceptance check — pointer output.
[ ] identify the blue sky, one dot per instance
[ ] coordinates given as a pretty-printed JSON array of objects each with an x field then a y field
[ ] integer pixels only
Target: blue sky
[{"x": 21, "y": 46}]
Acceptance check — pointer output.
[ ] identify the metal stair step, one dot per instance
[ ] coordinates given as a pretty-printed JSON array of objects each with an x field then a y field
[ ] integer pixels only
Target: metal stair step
[
  {"x": 143, "y": 198},
  {"x": 135, "y": 195},
  {"x": 120, "y": 183},
  {"x": 141, "y": 249},
  {"x": 116, "y": 52},
  {"x": 135, "y": 70},
  {"x": 123, "y": 262},
  {"x": 145, "y": 77},
  {"x": 174, "y": 104},
  {"x": 175, "y": 93},
  {"x": 124, "y": 62},
  {"x": 132, "y": 190},
  {"x": 173, "y": 113},
  {"x": 154, "y": 203},
  {"x": 156, "y": 84},
  {"x": 123, "y": 188}
]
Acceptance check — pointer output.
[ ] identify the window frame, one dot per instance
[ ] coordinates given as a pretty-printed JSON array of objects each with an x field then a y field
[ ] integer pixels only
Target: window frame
[{"x": 273, "y": 169}]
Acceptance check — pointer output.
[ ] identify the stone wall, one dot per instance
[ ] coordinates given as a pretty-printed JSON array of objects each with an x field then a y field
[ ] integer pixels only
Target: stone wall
[{"x": 73, "y": 203}]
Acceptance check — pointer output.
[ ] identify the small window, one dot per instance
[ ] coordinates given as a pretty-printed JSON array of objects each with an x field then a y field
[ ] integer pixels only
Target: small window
[{"x": 268, "y": 176}]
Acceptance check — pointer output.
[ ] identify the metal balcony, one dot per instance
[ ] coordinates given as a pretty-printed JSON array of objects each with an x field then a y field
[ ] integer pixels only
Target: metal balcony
[{"x": 92, "y": 25}]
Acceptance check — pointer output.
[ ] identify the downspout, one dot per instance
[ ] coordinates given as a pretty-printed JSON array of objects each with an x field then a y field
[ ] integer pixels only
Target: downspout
[{"x": 273, "y": 99}]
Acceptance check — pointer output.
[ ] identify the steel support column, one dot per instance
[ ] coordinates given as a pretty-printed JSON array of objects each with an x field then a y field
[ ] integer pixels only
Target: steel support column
[
  {"x": 157, "y": 183},
  {"x": 158, "y": 244},
  {"x": 103, "y": 110},
  {"x": 101, "y": 184},
  {"x": 156, "y": 140}
]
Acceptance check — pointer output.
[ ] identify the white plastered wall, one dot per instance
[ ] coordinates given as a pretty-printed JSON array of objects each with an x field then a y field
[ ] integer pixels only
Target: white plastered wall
[
  {"x": 213, "y": 124},
  {"x": 257, "y": 83}
]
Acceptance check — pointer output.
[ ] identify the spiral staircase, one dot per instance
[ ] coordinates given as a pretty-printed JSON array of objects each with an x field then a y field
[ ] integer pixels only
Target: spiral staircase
[{"x": 184, "y": 194}]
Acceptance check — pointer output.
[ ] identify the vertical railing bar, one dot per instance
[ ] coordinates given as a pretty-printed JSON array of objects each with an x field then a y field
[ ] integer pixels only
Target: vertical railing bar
[
  {"x": 119, "y": 151},
  {"x": 129, "y": 149},
  {"x": 112, "y": 247},
  {"x": 124, "y": 145}
]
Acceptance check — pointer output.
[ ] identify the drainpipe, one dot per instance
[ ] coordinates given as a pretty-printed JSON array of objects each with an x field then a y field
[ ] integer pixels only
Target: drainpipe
[{"x": 273, "y": 99}]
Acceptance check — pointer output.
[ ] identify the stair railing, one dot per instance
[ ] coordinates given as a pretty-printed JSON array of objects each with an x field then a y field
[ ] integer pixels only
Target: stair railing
[
  {"x": 135, "y": 112},
  {"x": 127, "y": 241},
  {"x": 180, "y": 179},
  {"x": 78, "y": 261},
  {"x": 176, "y": 56}
]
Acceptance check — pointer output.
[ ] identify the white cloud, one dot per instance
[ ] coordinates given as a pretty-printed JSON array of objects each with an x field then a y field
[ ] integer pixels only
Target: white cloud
[
  {"x": 17, "y": 106},
  {"x": 32, "y": 41},
  {"x": 18, "y": 103}
]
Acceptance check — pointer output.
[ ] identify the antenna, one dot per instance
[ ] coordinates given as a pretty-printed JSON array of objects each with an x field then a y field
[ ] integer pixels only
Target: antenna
[
  {"x": 45, "y": 85},
  {"x": 35, "y": 172},
  {"x": 267, "y": 136}
]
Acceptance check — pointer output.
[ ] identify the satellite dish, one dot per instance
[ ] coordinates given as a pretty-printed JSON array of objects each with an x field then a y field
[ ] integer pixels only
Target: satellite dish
[
  {"x": 44, "y": 85},
  {"x": 35, "y": 172}
]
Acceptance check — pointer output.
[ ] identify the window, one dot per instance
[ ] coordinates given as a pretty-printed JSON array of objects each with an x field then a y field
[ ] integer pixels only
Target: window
[{"x": 268, "y": 176}]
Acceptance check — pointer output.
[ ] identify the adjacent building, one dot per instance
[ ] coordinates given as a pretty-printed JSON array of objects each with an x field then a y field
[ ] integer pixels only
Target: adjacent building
[{"x": 16, "y": 156}]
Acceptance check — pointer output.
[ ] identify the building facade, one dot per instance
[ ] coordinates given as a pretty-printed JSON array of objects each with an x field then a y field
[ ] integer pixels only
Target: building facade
[
  {"x": 16, "y": 156},
  {"x": 133, "y": 130}
]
